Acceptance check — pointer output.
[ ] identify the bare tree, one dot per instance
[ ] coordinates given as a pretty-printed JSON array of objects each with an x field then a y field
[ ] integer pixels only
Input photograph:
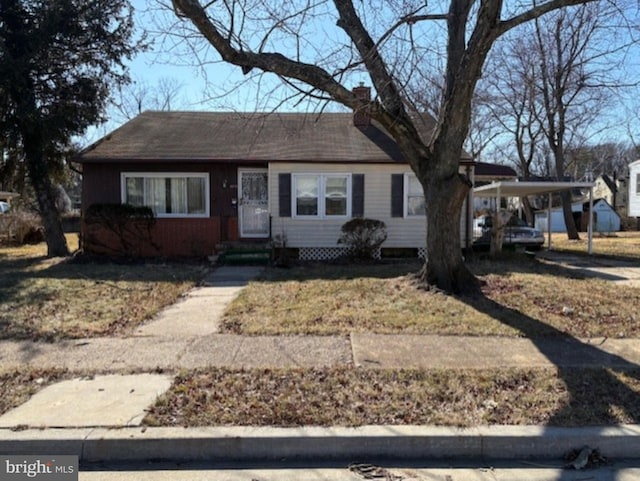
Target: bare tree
[
  {"x": 425, "y": 94},
  {"x": 135, "y": 98},
  {"x": 514, "y": 106},
  {"x": 385, "y": 41},
  {"x": 573, "y": 84},
  {"x": 633, "y": 131},
  {"x": 552, "y": 83},
  {"x": 610, "y": 158},
  {"x": 483, "y": 131}
]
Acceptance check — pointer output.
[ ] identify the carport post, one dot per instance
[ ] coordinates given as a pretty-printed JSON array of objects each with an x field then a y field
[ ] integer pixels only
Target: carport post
[
  {"x": 549, "y": 222},
  {"x": 590, "y": 229}
]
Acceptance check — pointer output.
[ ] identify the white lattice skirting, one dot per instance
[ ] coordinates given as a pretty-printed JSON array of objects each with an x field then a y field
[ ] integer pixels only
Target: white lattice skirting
[
  {"x": 422, "y": 252},
  {"x": 326, "y": 253}
]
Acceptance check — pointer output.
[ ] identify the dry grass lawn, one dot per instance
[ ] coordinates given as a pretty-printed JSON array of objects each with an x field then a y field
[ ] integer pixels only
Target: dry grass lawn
[
  {"x": 49, "y": 299},
  {"x": 624, "y": 245},
  {"x": 523, "y": 297},
  {"x": 356, "y": 397}
]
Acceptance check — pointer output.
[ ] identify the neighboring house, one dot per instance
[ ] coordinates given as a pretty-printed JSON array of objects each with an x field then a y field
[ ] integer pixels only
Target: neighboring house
[
  {"x": 216, "y": 178},
  {"x": 611, "y": 189},
  {"x": 634, "y": 189},
  {"x": 605, "y": 218}
]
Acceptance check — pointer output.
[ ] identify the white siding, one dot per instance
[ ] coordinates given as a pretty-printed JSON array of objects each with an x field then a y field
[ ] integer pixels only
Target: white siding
[
  {"x": 634, "y": 194},
  {"x": 408, "y": 232},
  {"x": 557, "y": 221}
]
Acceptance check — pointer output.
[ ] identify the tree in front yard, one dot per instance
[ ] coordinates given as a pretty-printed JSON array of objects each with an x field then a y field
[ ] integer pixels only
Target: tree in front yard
[
  {"x": 58, "y": 61},
  {"x": 319, "y": 46}
]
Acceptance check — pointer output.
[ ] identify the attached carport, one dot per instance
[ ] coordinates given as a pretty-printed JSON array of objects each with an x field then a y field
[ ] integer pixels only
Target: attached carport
[{"x": 500, "y": 189}]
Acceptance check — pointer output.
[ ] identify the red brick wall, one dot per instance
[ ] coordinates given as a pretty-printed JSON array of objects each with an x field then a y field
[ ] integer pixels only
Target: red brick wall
[
  {"x": 187, "y": 237},
  {"x": 233, "y": 234},
  {"x": 173, "y": 238}
]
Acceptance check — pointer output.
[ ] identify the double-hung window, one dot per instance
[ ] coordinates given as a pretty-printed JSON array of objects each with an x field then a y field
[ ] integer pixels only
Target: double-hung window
[
  {"x": 168, "y": 194},
  {"x": 414, "y": 196},
  {"x": 321, "y": 195}
]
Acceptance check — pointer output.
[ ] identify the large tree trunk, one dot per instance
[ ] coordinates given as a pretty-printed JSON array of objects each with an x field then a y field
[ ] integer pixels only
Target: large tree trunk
[
  {"x": 572, "y": 231},
  {"x": 444, "y": 267},
  {"x": 41, "y": 181},
  {"x": 54, "y": 233},
  {"x": 528, "y": 211}
]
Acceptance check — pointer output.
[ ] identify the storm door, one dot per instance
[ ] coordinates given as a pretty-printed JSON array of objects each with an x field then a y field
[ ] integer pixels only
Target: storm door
[{"x": 253, "y": 203}]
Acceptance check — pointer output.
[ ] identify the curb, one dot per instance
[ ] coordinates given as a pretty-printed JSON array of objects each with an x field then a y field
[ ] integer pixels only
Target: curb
[{"x": 245, "y": 444}]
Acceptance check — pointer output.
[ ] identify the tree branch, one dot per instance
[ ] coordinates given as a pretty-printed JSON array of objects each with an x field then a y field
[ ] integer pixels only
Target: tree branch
[
  {"x": 382, "y": 79},
  {"x": 536, "y": 12},
  {"x": 268, "y": 62}
]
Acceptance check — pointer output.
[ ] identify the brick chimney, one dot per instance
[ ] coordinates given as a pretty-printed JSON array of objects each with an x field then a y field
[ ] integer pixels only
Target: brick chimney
[{"x": 361, "y": 116}]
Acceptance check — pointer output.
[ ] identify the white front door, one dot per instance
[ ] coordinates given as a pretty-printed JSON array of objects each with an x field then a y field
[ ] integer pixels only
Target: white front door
[{"x": 253, "y": 202}]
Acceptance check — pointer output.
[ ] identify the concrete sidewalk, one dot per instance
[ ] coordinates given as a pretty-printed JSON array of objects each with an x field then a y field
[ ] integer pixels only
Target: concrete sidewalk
[
  {"x": 381, "y": 351},
  {"x": 186, "y": 336}
]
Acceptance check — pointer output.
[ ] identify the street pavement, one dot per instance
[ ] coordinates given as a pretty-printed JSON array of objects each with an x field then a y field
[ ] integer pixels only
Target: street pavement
[{"x": 494, "y": 471}]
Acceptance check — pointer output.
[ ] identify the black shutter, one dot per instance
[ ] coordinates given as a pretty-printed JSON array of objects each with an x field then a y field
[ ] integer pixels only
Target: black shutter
[
  {"x": 284, "y": 195},
  {"x": 397, "y": 195},
  {"x": 357, "y": 195}
]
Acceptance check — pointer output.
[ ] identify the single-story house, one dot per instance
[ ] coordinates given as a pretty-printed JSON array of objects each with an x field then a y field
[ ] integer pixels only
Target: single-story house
[
  {"x": 214, "y": 178},
  {"x": 606, "y": 219},
  {"x": 634, "y": 189}
]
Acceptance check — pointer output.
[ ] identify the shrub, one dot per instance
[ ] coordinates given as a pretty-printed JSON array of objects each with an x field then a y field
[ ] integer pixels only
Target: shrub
[
  {"x": 21, "y": 227},
  {"x": 131, "y": 226},
  {"x": 363, "y": 236}
]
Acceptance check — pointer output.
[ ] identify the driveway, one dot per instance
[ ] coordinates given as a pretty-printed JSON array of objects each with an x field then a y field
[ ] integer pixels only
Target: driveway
[{"x": 618, "y": 271}]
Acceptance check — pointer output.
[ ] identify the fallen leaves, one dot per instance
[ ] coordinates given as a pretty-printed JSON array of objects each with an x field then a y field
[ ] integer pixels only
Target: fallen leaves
[{"x": 355, "y": 397}]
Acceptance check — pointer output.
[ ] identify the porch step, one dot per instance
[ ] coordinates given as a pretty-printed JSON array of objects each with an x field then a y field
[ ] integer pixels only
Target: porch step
[{"x": 245, "y": 256}]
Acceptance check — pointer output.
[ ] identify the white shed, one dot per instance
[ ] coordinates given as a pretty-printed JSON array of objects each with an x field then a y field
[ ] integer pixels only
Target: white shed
[
  {"x": 634, "y": 189},
  {"x": 605, "y": 218}
]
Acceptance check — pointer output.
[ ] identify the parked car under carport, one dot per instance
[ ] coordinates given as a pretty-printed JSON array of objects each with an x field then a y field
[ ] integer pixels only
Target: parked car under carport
[{"x": 516, "y": 233}]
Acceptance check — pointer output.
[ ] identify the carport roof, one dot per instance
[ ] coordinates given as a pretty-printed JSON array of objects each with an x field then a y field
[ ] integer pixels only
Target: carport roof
[{"x": 521, "y": 189}]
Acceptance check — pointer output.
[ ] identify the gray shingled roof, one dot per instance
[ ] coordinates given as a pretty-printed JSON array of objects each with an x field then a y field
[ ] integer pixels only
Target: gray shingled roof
[
  {"x": 484, "y": 169},
  {"x": 241, "y": 137}
]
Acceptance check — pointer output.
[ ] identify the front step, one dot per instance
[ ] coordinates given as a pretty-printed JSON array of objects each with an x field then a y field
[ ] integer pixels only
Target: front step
[{"x": 245, "y": 254}]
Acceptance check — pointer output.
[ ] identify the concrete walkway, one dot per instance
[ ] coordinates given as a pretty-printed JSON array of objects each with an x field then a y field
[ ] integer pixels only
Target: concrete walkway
[
  {"x": 186, "y": 336},
  {"x": 618, "y": 271}
]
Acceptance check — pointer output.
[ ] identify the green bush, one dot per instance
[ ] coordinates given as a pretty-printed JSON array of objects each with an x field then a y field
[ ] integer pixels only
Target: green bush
[{"x": 363, "y": 237}]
